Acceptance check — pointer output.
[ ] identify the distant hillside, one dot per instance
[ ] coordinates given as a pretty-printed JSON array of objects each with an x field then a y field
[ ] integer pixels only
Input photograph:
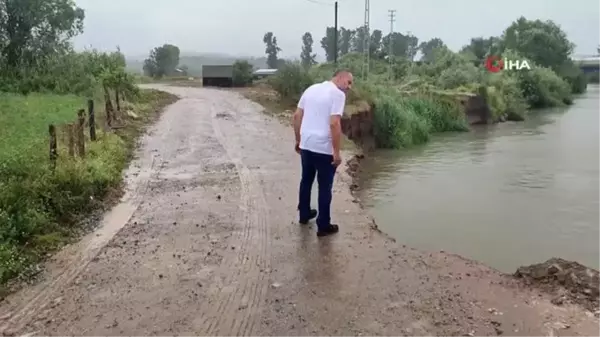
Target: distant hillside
[{"x": 195, "y": 61}]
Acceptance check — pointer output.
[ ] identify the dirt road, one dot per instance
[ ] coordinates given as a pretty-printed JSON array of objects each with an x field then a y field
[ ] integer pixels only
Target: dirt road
[{"x": 206, "y": 243}]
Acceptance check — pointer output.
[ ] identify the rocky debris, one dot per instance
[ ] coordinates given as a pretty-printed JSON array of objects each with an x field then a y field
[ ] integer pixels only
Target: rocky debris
[
  {"x": 353, "y": 164},
  {"x": 557, "y": 275}
]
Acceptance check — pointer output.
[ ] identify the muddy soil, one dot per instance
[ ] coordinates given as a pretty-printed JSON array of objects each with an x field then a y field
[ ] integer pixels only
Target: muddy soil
[{"x": 206, "y": 242}]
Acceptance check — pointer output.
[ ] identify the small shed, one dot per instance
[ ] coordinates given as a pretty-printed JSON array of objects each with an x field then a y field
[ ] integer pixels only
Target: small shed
[
  {"x": 262, "y": 73},
  {"x": 217, "y": 75}
]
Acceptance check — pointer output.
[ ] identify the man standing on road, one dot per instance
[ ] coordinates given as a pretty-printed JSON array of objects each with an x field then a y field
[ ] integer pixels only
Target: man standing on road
[{"x": 318, "y": 130}]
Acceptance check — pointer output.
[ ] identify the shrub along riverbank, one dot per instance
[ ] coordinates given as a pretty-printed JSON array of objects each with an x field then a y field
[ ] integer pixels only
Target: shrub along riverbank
[{"x": 412, "y": 100}]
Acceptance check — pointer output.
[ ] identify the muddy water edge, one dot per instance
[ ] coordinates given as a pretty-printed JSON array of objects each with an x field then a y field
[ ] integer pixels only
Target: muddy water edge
[{"x": 509, "y": 194}]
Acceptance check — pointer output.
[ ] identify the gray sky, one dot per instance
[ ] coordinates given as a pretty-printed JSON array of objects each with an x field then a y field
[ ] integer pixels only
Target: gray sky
[{"x": 237, "y": 26}]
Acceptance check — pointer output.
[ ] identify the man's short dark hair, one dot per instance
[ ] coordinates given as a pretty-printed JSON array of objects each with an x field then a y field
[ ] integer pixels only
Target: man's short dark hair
[{"x": 341, "y": 71}]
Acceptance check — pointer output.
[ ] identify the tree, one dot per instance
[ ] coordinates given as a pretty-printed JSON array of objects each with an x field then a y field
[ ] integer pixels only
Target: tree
[
  {"x": 429, "y": 47},
  {"x": 272, "y": 50},
  {"x": 329, "y": 44},
  {"x": 346, "y": 36},
  {"x": 402, "y": 45},
  {"x": 375, "y": 43},
  {"x": 479, "y": 48},
  {"x": 543, "y": 42},
  {"x": 358, "y": 40},
  {"x": 31, "y": 29},
  {"x": 242, "y": 73},
  {"x": 162, "y": 61},
  {"x": 307, "y": 57}
]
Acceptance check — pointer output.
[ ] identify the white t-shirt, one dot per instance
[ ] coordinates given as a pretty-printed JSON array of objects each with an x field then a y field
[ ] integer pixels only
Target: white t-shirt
[{"x": 319, "y": 101}]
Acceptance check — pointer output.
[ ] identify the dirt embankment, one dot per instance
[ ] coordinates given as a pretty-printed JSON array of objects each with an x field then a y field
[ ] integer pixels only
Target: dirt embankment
[{"x": 569, "y": 281}]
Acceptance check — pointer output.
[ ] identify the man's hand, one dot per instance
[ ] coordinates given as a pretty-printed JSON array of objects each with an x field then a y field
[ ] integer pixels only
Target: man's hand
[
  {"x": 337, "y": 159},
  {"x": 297, "y": 147}
]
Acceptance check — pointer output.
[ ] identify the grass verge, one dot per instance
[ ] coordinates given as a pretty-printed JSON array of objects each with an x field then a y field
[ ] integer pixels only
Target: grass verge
[{"x": 41, "y": 209}]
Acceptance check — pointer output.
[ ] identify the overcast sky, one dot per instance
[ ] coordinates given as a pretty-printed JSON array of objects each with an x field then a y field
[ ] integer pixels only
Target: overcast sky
[{"x": 237, "y": 26}]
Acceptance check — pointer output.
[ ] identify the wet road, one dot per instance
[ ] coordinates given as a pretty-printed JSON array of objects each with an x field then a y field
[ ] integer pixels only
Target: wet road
[
  {"x": 206, "y": 242},
  {"x": 507, "y": 195}
]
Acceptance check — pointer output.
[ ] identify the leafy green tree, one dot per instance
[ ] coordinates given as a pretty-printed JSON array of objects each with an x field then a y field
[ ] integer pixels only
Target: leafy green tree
[
  {"x": 404, "y": 46},
  {"x": 479, "y": 48},
  {"x": 358, "y": 40},
  {"x": 428, "y": 48},
  {"x": 307, "y": 57},
  {"x": 346, "y": 36},
  {"x": 375, "y": 43},
  {"x": 328, "y": 43},
  {"x": 272, "y": 49},
  {"x": 30, "y": 29},
  {"x": 162, "y": 61},
  {"x": 242, "y": 73},
  {"x": 543, "y": 42}
]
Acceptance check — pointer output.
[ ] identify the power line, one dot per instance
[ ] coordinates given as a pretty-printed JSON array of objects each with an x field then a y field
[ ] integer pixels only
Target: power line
[
  {"x": 391, "y": 40},
  {"x": 366, "y": 42},
  {"x": 335, "y": 36}
]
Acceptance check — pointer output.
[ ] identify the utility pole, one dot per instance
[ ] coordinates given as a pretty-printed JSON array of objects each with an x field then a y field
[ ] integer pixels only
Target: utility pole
[
  {"x": 335, "y": 52},
  {"x": 366, "y": 42},
  {"x": 391, "y": 41}
]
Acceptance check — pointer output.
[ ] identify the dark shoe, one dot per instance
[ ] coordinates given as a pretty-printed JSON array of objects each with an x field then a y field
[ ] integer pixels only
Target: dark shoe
[
  {"x": 313, "y": 214},
  {"x": 332, "y": 229}
]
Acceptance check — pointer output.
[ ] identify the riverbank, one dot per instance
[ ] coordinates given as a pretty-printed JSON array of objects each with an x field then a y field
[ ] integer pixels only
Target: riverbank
[{"x": 224, "y": 255}]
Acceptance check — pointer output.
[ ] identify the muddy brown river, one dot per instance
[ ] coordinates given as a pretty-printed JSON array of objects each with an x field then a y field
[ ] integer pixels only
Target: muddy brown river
[{"x": 507, "y": 195}]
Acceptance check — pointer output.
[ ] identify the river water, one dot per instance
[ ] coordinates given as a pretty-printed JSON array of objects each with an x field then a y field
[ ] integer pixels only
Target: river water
[{"x": 507, "y": 195}]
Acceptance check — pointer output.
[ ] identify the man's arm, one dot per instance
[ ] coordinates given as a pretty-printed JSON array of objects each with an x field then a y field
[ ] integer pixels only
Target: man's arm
[
  {"x": 297, "y": 118},
  {"x": 297, "y": 122},
  {"x": 335, "y": 122}
]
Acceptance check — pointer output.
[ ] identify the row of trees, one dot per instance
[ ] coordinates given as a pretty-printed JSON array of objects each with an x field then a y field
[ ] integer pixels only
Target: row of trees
[
  {"x": 36, "y": 53},
  {"x": 544, "y": 42}
]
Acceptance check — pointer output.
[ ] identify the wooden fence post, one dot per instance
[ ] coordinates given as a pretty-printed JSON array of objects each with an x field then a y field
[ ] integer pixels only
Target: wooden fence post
[
  {"x": 118, "y": 99},
  {"x": 92, "y": 120},
  {"x": 108, "y": 108},
  {"x": 71, "y": 139},
  {"x": 80, "y": 133},
  {"x": 53, "y": 152}
]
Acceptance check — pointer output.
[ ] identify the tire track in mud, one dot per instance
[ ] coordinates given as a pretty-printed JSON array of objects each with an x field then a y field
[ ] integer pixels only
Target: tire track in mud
[{"x": 235, "y": 314}]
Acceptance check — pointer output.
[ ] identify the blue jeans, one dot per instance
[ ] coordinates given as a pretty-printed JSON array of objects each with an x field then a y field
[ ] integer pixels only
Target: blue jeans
[{"x": 319, "y": 165}]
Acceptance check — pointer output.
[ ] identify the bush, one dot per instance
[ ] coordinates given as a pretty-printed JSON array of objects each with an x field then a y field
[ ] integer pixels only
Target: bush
[
  {"x": 505, "y": 98},
  {"x": 81, "y": 73},
  {"x": 290, "y": 81},
  {"x": 573, "y": 76},
  {"x": 404, "y": 121},
  {"x": 459, "y": 75},
  {"x": 242, "y": 73}
]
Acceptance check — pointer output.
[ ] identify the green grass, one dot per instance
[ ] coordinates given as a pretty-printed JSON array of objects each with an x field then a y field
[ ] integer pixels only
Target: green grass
[
  {"x": 24, "y": 120},
  {"x": 41, "y": 209}
]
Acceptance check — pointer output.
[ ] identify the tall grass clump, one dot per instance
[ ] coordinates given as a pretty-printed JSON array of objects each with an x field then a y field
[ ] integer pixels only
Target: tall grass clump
[
  {"x": 290, "y": 81},
  {"x": 405, "y": 121}
]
